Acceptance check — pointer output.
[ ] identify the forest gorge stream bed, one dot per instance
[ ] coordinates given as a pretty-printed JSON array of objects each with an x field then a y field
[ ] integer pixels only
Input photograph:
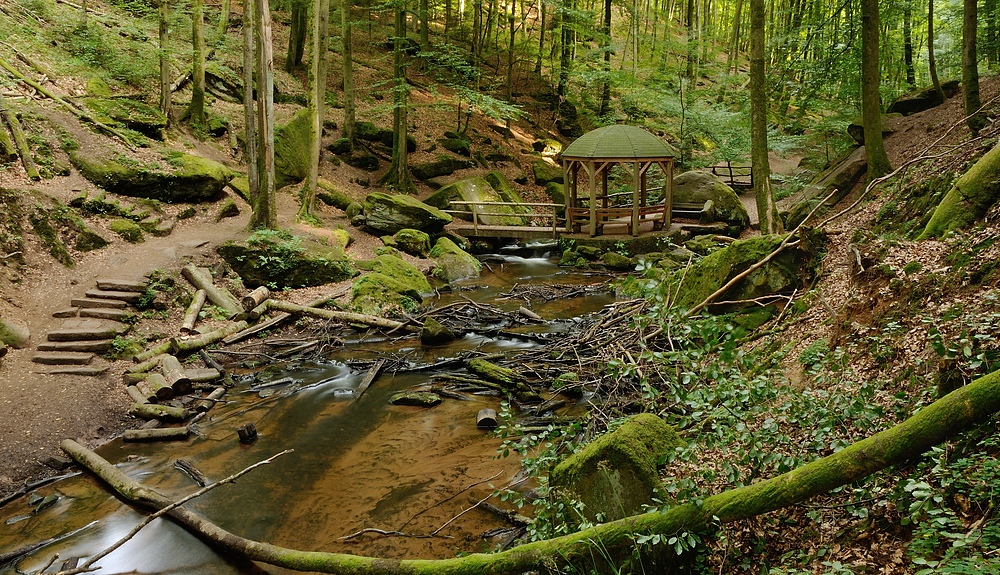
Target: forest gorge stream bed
[{"x": 358, "y": 462}]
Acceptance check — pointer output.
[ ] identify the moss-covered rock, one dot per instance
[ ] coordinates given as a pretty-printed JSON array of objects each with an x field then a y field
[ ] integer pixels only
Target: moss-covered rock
[
  {"x": 441, "y": 166},
  {"x": 403, "y": 272},
  {"x": 142, "y": 118},
  {"x": 616, "y": 261},
  {"x": 388, "y": 214},
  {"x": 793, "y": 267},
  {"x": 378, "y": 294},
  {"x": 833, "y": 184},
  {"x": 42, "y": 224},
  {"x": 567, "y": 383},
  {"x": 341, "y": 238},
  {"x": 228, "y": 209},
  {"x": 415, "y": 398},
  {"x": 452, "y": 263},
  {"x": 413, "y": 242},
  {"x": 434, "y": 333},
  {"x": 697, "y": 187},
  {"x": 278, "y": 259},
  {"x": 329, "y": 195},
  {"x": 14, "y": 333},
  {"x": 481, "y": 189},
  {"x": 291, "y": 150},
  {"x": 615, "y": 475},
  {"x": 556, "y": 192},
  {"x": 128, "y": 230},
  {"x": 179, "y": 178},
  {"x": 546, "y": 172},
  {"x": 88, "y": 240},
  {"x": 240, "y": 185},
  {"x": 511, "y": 380},
  {"x": 969, "y": 199},
  {"x": 460, "y": 146},
  {"x": 340, "y": 146}
]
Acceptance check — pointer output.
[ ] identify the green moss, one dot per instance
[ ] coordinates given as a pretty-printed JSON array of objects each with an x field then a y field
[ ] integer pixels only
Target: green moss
[
  {"x": 969, "y": 199},
  {"x": 495, "y": 373},
  {"x": 413, "y": 242},
  {"x": 128, "y": 230},
  {"x": 277, "y": 259},
  {"x": 40, "y": 222},
  {"x": 379, "y": 294},
  {"x": 329, "y": 195},
  {"x": 142, "y": 118},
  {"x": 616, "y": 474},
  {"x": 403, "y": 272},
  {"x": 291, "y": 149},
  {"x": 451, "y": 263},
  {"x": 186, "y": 178}
]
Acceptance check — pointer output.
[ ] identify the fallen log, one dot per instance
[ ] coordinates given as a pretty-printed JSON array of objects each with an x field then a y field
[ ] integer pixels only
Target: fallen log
[
  {"x": 153, "y": 354},
  {"x": 174, "y": 375},
  {"x": 139, "y": 395},
  {"x": 345, "y": 316},
  {"x": 201, "y": 278},
  {"x": 909, "y": 439},
  {"x": 20, "y": 141},
  {"x": 253, "y": 314},
  {"x": 155, "y": 411},
  {"x": 255, "y": 298},
  {"x": 157, "y": 384},
  {"x": 373, "y": 372},
  {"x": 203, "y": 405},
  {"x": 203, "y": 374},
  {"x": 276, "y": 320},
  {"x": 191, "y": 315},
  {"x": 157, "y": 434},
  {"x": 187, "y": 345},
  {"x": 193, "y": 472}
]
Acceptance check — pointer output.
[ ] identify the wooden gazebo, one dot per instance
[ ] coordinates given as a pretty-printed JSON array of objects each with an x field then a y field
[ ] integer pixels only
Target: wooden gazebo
[{"x": 592, "y": 157}]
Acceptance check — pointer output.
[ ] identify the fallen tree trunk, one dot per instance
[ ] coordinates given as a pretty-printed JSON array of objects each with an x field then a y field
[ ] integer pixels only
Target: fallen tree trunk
[
  {"x": 276, "y": 320},
  {"x": 20, "y": 140},
  {"x": 191, "y": 315},
  {"x": 930, "y": 426},
  {"x": 206, "y": 339},
  {"x": 220, "y": 296},
  {"x": 345, "y": 316}
]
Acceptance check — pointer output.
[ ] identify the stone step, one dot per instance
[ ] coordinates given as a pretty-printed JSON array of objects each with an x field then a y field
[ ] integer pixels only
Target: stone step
[
  {"x": 122, "y": 285},
  {"x": 62, "y": 357},
  {"x": 125, "y": 296},
  {"x": 80, "y": 334},
  {"x": 76, "y": 370},
  {"x": 103, "y": 303},
  {"x": 106, "y": 313},
  {"x": 68, "y": 312},
  {"x": 92, "y": 346}
]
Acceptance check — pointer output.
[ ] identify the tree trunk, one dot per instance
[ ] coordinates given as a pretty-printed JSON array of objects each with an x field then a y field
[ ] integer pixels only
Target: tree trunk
[
  {"x": 732, "y": 58},
  {"x": 770, "y": 222},
  {"x": 541, "y": 37},
  {"x": 191, "y": 314},
  {"x": 991, "y": 48},
  {"x": 606, "y": 47},
  {"x": 970, "y": 68},
  {"x": 931, "y": 65},
  {"x": 425, "y": 14},
  {"x": 691, "y": 44},
  {"x": 264, "y": 210},
  {"x": 165, "y": 80},
  {"x": 933, "y": 424},
  {"x": 317, "y": 102},
  {"x": 911, "y": 78},
  {"x": 398, "y": 176},
  {"x": 198, "y": 66},
  {"x": 567, "y": 40},
  {"x": 224, "y": 13},
  {"x": 248, "y": 106},
  {"x": 871, "y": 106},
  {"x": 297, "y": 35},
  {"x": 347, "y": 131},
  {"x": 344, "y": 316}
]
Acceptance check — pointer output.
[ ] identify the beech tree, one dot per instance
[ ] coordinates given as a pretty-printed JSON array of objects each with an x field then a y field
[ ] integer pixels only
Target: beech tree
[
  {"x": 197, "y": 110},
  {"x": 165, "y": 80},
  {"x": 970, "y": 67},
  {"x": 317, "y": 101},
  {"x": 347, "y": 130},
  {"x": 770, "y": 222},
  {"x": 871, "y": 104},
  {"x": 265, "y": 213},
  {"x": 398, "y": 176}
]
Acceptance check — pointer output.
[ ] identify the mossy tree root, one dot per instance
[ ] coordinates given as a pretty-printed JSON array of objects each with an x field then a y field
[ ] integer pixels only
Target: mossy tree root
[{"x": 930, "y": 426}]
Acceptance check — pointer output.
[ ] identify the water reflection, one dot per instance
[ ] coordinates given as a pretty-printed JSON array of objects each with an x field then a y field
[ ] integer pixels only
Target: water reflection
[{"x": 358, "y": 463}]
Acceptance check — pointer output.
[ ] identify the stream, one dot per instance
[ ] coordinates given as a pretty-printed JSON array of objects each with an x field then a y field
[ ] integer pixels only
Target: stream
[{"x": 358, "y": 462}]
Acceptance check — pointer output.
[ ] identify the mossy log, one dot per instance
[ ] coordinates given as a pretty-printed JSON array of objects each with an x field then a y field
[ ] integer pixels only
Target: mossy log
[
  {"x": 191, "y": 314},
  {"x": 345, "y": 316},
  {"x": 20, "y": 140},
  {"x": 930, "y": 426},
  {"x": 220, "y": 296},
  {"x": 206, "y": 339}
]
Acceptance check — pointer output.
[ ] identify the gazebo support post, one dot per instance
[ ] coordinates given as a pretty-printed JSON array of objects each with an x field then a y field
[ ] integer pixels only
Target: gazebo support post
[
  {"x": 636, "y": 185},
  {"x": 568, "y": 201},
  {"x": 591, "y": 169}
]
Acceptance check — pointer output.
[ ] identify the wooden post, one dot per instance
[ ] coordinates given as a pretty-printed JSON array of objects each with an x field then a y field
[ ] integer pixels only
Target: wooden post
[
  {"x": 635, "y": 199},
  {"x": 589, "y": 166},
  {"x": 191, "y": 315}
]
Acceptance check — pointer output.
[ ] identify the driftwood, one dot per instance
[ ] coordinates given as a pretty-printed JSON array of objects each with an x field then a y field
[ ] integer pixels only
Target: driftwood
[
  {"x": 373, "y": 372},
  {"x": 191, "y": 315},
  {"x": 211, "y": 362},
  {"x": 191, "y": 471},
  {"x": 255, "y": 298},
  {"x": 930, "y": 426},
  {"x": 174, "y": 375},
  {"x": 203, "y": 374},
  {"x": 157, "y": 434},
  {"x": 345, "y": 316},
  {"x": 201, "y": 278},
  {"x": 203, "y": 405}
]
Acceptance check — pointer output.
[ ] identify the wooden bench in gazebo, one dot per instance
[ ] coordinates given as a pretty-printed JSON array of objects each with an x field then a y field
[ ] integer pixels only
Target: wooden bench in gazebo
[{"x": 592, "y": 156}]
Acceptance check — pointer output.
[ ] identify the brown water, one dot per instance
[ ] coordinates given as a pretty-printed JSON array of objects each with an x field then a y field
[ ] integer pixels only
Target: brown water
[{"x": 356, "y": 464}]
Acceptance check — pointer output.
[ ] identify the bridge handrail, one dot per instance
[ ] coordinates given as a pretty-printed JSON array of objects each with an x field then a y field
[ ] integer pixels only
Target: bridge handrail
[{"x": 547, "y": 214}]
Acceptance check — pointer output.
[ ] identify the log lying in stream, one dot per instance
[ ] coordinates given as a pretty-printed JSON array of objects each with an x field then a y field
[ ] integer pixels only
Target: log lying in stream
[
  {"x": 930, "y": 426},
  {"x": 345, "y": 316}
]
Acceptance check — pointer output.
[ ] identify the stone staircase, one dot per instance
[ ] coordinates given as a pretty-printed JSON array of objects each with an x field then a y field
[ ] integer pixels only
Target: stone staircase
[{"x": 89, "y": 326}]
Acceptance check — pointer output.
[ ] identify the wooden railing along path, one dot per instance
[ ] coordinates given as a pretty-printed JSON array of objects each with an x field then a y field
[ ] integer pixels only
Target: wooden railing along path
[{"x": 543, "y": 213}]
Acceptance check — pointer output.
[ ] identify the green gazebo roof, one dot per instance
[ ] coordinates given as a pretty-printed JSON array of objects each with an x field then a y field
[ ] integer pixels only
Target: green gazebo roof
[{"x": 618, "y": 142}]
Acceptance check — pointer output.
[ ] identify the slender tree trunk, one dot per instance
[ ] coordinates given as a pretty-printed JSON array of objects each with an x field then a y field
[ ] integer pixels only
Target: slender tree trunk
[
  {"x": 931, "y": 65},
  {"x": 248, "y": 107},
  {"x": 425, "y": 35},
  {"x": 991, "y": 49},
  {"x": 198, "y": 65},
  {"x": 317, "y": 102},
  {"x": 770, "y": 222},
  {"x": 264, "y": 210},
  {"x": 691, "y": 45},
  {"x": 911, "y": 78},
  {"x": 541, "y": 37},
  {"x": 568, "y": 38},
  {"x": 224, "y": 12},
  {"x": 398, "y": 176},
  {"x": 477, "y": 32},
  {"x": 297, "y": 32},
  {"x": 871, "y": 106},
  {"x": 347, "y": 131},
  {"x": 606, "y": 47},
  {"x": 510, "y": 54},
  {"x": 970, "y": 67},
  {"x": 165, "y": 77},
  {"x": 732, "y": 58}
]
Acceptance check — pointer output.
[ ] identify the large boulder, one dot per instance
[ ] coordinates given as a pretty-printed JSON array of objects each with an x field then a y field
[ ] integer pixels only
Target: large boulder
[
  {"x": 291, "y": 150},
  {"x": 442, "y": 166},
  {"x": 14, "y": 333},
  {"x": 142, "y": 118},
  {"x": 388, "y": 214},
  {"x": 546, "y": 172},
  {"x": 494, "y": 187},
  {"x": 839, "y": 178},
  {"x": 452, "y": 263},
  {"x": 398, "y": 269},
  {"x": 378, "y": 294},
  {"x": 856, "y": 129},
  {"x": 615, "y": 475},
  {"x": 793, "y": 267},
  {"x": 696, "y": 187},
  {"x": 969, "y": 198},
  {"x": 921, "y": 100},
  {"x": 179, "y": 178},
  {"x": 277, "y": 259}
]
